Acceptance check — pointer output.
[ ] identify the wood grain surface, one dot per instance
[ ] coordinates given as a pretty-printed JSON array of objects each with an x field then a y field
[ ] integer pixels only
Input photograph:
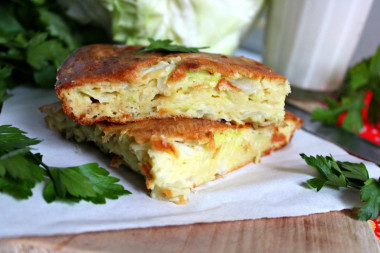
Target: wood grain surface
[{"x": 329, "y": 232}]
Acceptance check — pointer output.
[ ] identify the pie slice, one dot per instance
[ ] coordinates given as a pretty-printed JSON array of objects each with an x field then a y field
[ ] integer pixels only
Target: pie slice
[
  {"x": 176, "y": 155},
  {"x": 114, "y": 84}
]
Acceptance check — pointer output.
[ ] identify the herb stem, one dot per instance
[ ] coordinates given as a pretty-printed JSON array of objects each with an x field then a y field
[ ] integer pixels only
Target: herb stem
[{"x": 40, "y": 162}]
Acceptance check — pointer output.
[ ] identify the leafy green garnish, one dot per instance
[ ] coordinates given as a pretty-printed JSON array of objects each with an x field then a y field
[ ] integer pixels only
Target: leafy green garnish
[
  {"x": 346, "y": 174},
  {"x": 361, "y": 78},
  {"x": 20, "y": 170},
  {"x": 35, "y": 37},
  {"x": 370, "y": 193},
  {"x": 166, "y": 45},
  {"x": 88, "y": 181}
]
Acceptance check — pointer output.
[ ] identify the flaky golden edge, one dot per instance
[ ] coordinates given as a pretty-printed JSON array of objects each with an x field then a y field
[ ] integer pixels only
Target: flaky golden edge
[{"x": 116, "y": 63}]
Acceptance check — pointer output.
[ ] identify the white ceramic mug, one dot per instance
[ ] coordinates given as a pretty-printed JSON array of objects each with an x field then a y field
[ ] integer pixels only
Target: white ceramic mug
[{"x": 311, "y": 42}]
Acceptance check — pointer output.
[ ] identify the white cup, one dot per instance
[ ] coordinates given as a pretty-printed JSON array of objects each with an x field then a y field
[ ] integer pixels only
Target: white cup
[{"x": 311, "y": 42}]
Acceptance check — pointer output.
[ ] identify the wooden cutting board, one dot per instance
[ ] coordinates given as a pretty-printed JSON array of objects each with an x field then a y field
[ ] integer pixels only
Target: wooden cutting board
[{"x": 330, "y": 232}]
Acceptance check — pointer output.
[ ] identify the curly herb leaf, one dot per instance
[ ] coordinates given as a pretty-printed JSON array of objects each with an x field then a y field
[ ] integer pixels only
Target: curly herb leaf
[
  {"x": 20, "y": 170},
  {"x": 166, "y": 45},
  {"x": 370, "y": 194},
  {"x": 347, "y": 174},
  {"x": 360, "y": 79},
  {"x": 35, "y": 37}
]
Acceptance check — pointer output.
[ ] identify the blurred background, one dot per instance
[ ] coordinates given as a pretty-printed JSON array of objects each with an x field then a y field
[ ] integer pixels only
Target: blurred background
[{"x": 368, "y": 42}]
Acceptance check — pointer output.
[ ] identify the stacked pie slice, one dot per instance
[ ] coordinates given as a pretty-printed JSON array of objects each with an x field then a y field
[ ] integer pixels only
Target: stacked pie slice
[{"x": 179, "y": 119}]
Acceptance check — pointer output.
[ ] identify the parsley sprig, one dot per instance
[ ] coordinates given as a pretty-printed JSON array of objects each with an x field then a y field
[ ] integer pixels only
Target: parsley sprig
[
  {"x": 20, "y": 170},
  {"x": 361, "y": 78},
  {"x": 347, "y": 174},
  {"x": 35, "y": 37},
  {"x": 166, "y": 45}
]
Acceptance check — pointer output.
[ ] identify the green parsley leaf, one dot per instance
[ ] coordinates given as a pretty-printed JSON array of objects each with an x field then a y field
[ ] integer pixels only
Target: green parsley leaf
[
  {"x": 89, "y": 182},
  {"x": 12, "y": 138},
  {"x": 166, "y": 45},
  {"x": 46, "y": 53},
  {"x": 355, "y": 173},
  {"x": 104, "y": 185},
  {"x": 20, "y": 170},
  {"x": 329, "y": 169},
  {"x": 353, "y": 121},
  {"x": 360, "y": 79},
  {"x": 35, "y": 37},
  {"x": 317, "y": 183},
  {"x": 347, "y": 174},
  {"x": 57, "y": 27},
  {"x": 45, "y": 77},
  {"x": 370, "y": 193},
  {"x": 374, "y": 64},
  {"x": 20, "y": 189},
  {"x": 326, "y": 115},
  {"x": 374, "y": 107},
  {"x": 8, "y": 22},
  {"x": 5, "y": 73},
  {"x": 71, "y": 181},
  {"x": 19, "y": 166},
  {"x": 359, "y": 75}
]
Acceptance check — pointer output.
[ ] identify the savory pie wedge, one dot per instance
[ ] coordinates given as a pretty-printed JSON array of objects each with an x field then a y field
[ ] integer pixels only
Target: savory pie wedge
[
  {"x": 114, "y": 84},
  {"x": 177, "y": 155}
]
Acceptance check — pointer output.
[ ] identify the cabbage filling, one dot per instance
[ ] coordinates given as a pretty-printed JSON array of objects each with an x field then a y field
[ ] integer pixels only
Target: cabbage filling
[
  {"x": 197, "y": 95},
  {"x": 172, "y": 175}
]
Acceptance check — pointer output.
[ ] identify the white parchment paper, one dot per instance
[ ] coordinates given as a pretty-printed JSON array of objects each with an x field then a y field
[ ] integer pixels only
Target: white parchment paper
[{"x": 274, "y": 188}]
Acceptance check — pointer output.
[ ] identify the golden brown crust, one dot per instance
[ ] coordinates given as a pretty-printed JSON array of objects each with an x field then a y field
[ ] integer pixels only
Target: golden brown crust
[
  {"x": 200, "y": 130},
  {"x": 279, "y": 140},
  {"x": 145, "y": 169},
  {"x": 294, "y": 118},
  {"x": 227, "y": 66},
  {"x": 183, "y": 128},
  {"x": 112, "y": 63}
]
